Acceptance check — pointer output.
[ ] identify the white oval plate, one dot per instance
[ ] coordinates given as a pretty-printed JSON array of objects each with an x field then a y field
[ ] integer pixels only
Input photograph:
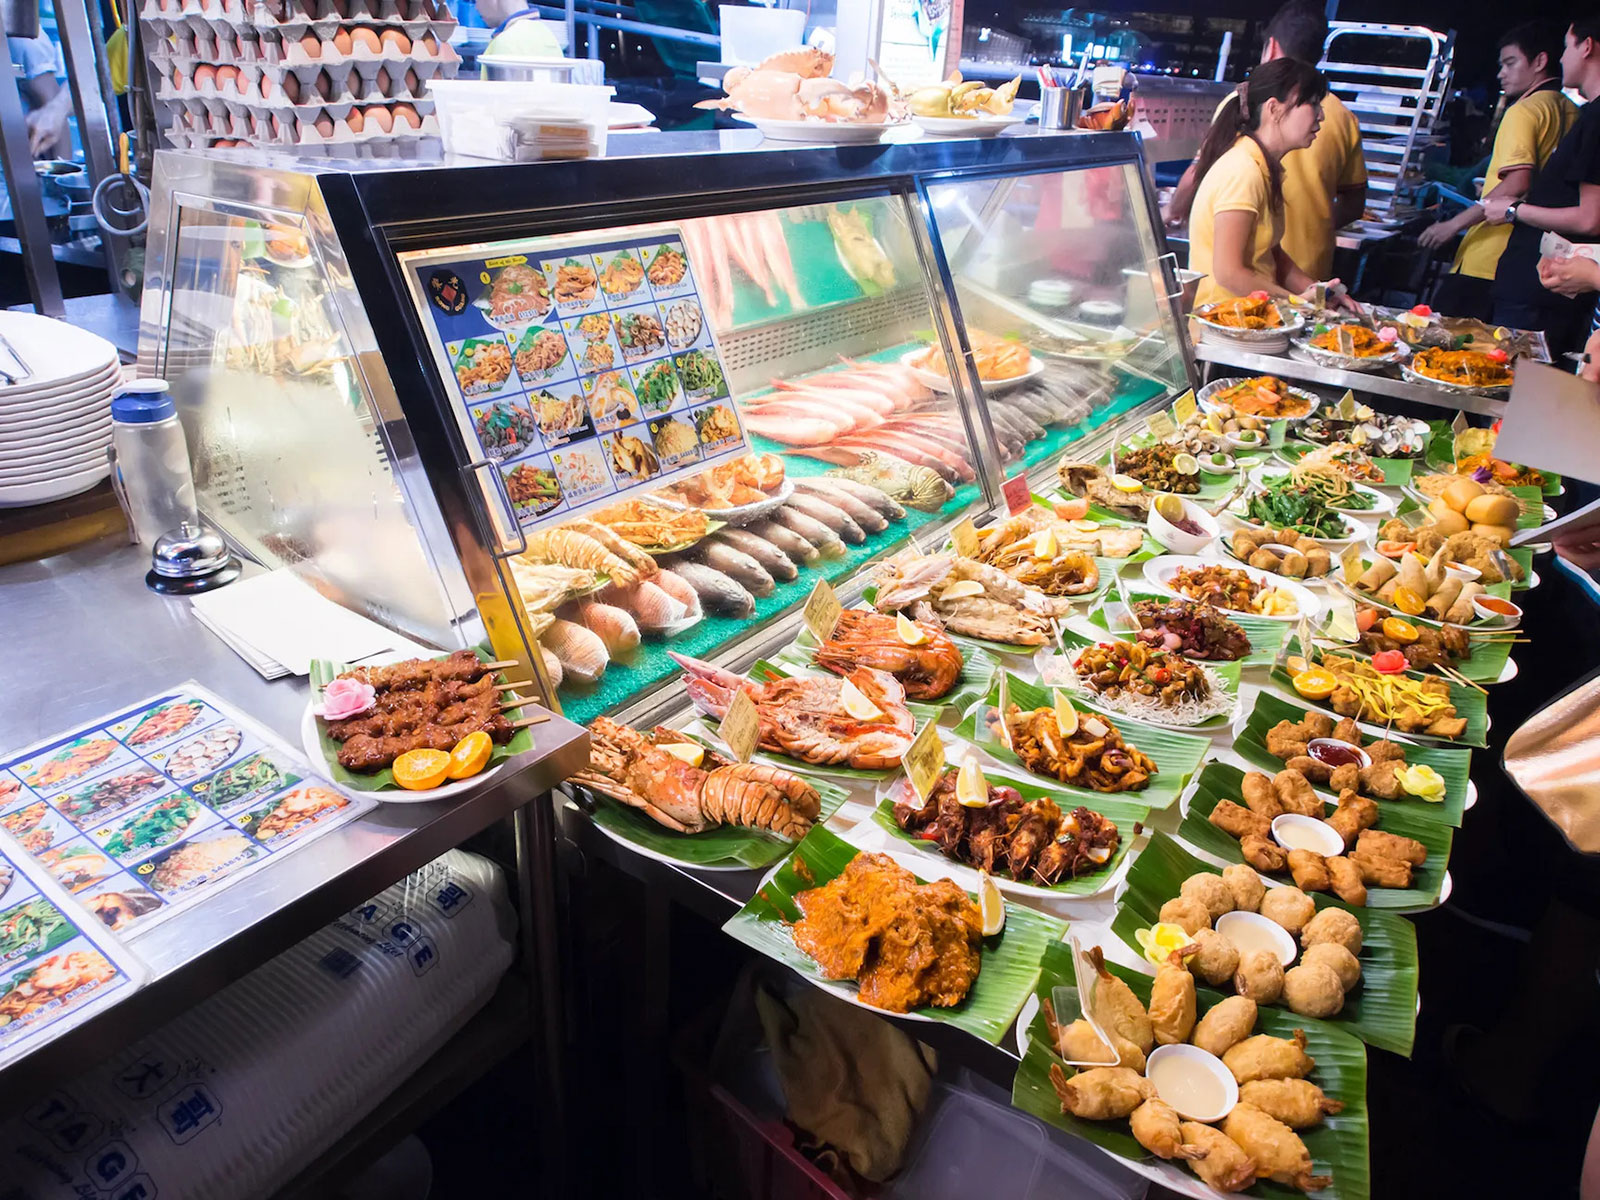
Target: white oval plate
[
  {"x": 981, "y": 126},
  {"x": 1158, "y": 570},
  {"x": 940, "y": 383},
  {"x": 1385, "y": 504},
  {"x": 311, "y": 743},
  {"x": 832, "y": 133},
  {"x": 59, "y": 488}
]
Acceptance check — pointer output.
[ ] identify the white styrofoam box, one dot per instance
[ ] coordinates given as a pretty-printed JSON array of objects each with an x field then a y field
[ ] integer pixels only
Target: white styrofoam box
[
  {"x": 515, "y": 121},
  {"x": 236, "y": 1095}
]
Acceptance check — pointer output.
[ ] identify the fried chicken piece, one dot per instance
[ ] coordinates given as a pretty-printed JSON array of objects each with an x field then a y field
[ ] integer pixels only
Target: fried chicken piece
[
  {"x": 1238, "y": 821},
  {"x": 1345, "y": 777},
  {"x": 1347, "y": 731},
  {"x": 1224, "y": 1165},
  {"x": 1382, "y": 780},
  {"x": 1354, "y": 814},
  {"x": 1259, "y": 795},
  {"x": 1268, "y": 1057},
  {"x": 1279, "y": 1153},
  {"x": 1311, "y": 768},
  {"x": 1295, "y": 794},
  {"x": 1378, "y": 871},
  {"x": 1101, "y": 1093},
  {"x": 1386, "y": 751},
  {"x": 1298, "y": 1103},
  {"x": 1264, "y": 854},
  {"x": 1227, "y": 1024},
  {"x": 1375, "y": 842},
  {"x": 1158, "y": 1128},
  {"x": 1287, "y": 739},
  {"x": 1318, "y": 725},
  {"x": 1345, "y": 877},
  {"x": 1310, "y": 871}
]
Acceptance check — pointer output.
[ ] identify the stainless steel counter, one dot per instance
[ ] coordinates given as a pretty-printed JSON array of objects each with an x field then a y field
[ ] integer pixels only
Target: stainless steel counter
[
  {"x": 1291, "y": 366},
  {"x": 83, "y": 635}
]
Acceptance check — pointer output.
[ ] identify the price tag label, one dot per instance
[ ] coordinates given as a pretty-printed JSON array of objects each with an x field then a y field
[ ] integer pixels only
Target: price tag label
[
  {"x": 1016, "y": 492},
  {"x": 1345, "y": 410},
  {"x": 741, "y": 727},
  {"x": 1184, "y": 407},
  {"x": 1458, "y": 424},
  {"x": 1303, "y": 634},
  {"x": 964, "y": 537},
  {"x": 1347, "y": 343},
  {"x": 1342, "y": 621},
  {"x": 924, "y": 759},
  {"x": 1351, "y": 564},
  {"x": 822, "y": 610},
  {"x": 1160, "y": 424}
]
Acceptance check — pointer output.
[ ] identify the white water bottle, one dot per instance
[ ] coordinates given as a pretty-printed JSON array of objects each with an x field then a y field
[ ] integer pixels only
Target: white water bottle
[{"x": 152, "y": 459}]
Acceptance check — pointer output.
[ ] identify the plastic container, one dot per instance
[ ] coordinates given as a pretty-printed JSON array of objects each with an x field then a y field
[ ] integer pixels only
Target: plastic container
[
  {"x": 152, "y": 459},
  {"x": 751, "y": 34},
  {"x": 522, "y": 122}
]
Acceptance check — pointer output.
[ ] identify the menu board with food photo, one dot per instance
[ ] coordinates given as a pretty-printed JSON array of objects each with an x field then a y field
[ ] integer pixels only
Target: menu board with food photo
[
  {"x": 615, "y": 387},
  {"x": 190, "y": 797},
  {"x": 57, "y": 966}
]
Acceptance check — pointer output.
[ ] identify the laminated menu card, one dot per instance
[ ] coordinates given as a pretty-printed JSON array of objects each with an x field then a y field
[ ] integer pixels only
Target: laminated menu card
[
  {"x": 154, "y": 807},
  {"x": 584, "y": 369}
]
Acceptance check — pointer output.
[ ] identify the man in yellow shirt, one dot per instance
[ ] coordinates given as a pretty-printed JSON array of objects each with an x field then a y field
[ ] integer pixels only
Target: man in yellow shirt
[
  {"x": 1324, "y": 186},
  {"x": 1538, "y": 118}
]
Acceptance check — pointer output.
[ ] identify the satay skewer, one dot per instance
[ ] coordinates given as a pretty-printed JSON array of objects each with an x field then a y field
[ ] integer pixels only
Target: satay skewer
[{"x": 538, "y": 718}]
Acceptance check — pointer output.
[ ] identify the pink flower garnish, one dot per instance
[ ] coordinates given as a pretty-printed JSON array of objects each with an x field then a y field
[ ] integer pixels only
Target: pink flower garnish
[
  {"x": 1258, "y": 296},
  {"x": 345, "y": 698},
  {"x": 1388, "y": 334}
]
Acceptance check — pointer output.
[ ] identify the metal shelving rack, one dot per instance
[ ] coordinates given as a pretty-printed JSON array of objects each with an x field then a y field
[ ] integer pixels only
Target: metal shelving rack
[{"x": 1400, "y": 107}]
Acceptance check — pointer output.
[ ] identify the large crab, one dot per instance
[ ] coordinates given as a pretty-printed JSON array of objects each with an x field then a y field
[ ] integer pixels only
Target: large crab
[{"x": 795, "y": 86}]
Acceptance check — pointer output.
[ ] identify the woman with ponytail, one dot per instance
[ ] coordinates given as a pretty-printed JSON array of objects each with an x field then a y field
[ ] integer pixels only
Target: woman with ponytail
[{"x": 1236, "y": 225}]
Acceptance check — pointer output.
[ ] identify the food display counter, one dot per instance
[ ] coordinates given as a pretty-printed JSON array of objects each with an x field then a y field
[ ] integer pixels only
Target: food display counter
[{"x": 853, "y": 498}]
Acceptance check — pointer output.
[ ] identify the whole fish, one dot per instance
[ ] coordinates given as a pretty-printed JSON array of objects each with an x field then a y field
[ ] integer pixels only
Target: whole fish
[
  {"x": 921, "y": 487},
  {"x": 736, "y": 565},
  {"x": 874, "y": 498},
  {"x": 718, "y": 594},
  {"x": 813, "y": 530},
  {"x": 773, "y": 560},
  {"x": 831, "y": 515},
  {"x": 791, "y": 543},
  {"x": 792, "y": 431},
  {"x": 863, "y": 515}
]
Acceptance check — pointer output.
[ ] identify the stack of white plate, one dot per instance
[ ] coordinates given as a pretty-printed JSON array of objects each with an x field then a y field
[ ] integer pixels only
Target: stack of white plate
[{"x": 55, "y": 421}]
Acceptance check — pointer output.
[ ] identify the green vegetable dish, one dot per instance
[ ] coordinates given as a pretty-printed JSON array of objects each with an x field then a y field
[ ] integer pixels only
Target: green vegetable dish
[
  {"x": 657, "y": 388},
  {"x": 163, "y": 823},
  {"x": 701, "y": 374},
  {"x": 1284, "y": 504},
  {"x": 32, "y": 928}
]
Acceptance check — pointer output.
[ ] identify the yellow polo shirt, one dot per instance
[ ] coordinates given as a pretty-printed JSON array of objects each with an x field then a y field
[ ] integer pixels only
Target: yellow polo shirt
[
  {"x": 1528, "y": 133},
  {"x": 1311, "y": 176},
  {"x": 1237, "y": 182}
]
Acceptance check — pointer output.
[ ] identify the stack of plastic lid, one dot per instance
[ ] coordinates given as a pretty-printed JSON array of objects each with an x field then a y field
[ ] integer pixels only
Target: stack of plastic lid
[{"x": 55, "y": 408}]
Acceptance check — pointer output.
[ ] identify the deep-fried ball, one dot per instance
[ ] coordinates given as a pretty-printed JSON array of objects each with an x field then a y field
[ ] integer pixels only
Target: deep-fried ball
[
  {"x": 1288, "y": 907},
  {"x": 1313, "y": 990},
  {"x": 1246, "y": 886},
  {"x": 1210, "y": 891},
  {"x": 1331, "y": 954},
  {"x": 1259, "y": 976},
  {"x": 1333, "y": 925},
  {"x": 1188, "y": 912}
]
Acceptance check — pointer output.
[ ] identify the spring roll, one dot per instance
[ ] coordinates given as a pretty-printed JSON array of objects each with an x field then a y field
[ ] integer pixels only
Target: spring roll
[
  {"x": 1412, "y": 574},
  {"x": 1462, "y": 612},
  {"x": 1434, "y": 572},
  {"x": 1439, "y": 603},
  {"x": 1378, "y": 574},
  {"x": 1387, "y": 591}
]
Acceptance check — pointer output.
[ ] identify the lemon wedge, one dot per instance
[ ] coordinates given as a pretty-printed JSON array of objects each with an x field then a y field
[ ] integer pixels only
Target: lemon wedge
[
  {"x": 1044, "y": 544},
  {"x": 991, "y": 905},
  {"x": 972, "y": 790},
  {"x": 856, "y": 704},
  {"x": 1186, "y": 464},
  {"x": 1126, "y": 483},
  {"x": 1066, "y": 715},
  {"x": 1160, "y": 940},
  {"x": 962, "y": 588},
  {"x": 1083, "y": 525},
  {"x": 910, "y": 632},
  {"x": 1170, "y": 507},
  {"x": 1296, "y": 664},
  {"x": 690, "y": 752}
]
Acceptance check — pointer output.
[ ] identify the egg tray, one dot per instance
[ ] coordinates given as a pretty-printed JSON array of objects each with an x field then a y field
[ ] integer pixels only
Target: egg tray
[
  {"x": 192, "y": 48},
  {"x": 255, "y": 16},
  {"x": 338, "y": 109},
  {"x": 198, "y": 131},
  {"x": 265, "y": 88}
]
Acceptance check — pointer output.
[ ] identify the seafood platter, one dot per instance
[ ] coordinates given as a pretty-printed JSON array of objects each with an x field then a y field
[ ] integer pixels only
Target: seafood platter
[{"x": 791, "y": 96}]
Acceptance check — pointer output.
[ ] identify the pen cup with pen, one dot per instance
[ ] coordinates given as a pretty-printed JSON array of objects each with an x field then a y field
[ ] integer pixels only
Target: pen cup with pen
[{"x": 1060, "y": 107}]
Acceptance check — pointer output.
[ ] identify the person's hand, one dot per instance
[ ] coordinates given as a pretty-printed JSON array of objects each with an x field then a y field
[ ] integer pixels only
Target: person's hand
[
  {"x": 1589, "y": 368},
  {"x": 1347, "y": 302},
  {"x": 1581, "y": 548},
  {"x": 1494, "y": 211},
  {"x": 48, "y": 136},
  {"x": 1437, "y": 235},
  {"x": 1570, "y": 276}
]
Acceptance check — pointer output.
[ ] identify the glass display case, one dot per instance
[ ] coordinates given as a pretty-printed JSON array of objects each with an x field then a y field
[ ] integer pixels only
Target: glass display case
[{"x": 608, "y": 419}]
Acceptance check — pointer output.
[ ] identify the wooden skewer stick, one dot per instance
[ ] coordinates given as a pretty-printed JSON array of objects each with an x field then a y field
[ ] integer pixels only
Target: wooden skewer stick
[
  {"x": 1457, "y": 677},
  {"x": 537, "y": 719},
  {"x": 501, "y": 666},
  {"x": 513, "y": 684}
]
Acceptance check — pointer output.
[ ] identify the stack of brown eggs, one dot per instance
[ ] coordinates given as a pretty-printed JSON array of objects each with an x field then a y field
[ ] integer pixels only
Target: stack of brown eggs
[{"x": 324, "y": 73}]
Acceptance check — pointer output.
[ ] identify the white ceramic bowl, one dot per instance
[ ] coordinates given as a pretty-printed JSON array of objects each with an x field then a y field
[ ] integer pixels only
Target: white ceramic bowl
[
  {"x": 1175, "y": 539},
  {"x": 1500, "y": 620},
  {"x": 1276, "y": 935},
  {"x": 1462, "y": 572},
  {"x": 1362, "y": 757},
  {"x": 1295, "y": 832},
  {"x": 1238, "y": 443},
  {"x": 1197, "y": 1060}
]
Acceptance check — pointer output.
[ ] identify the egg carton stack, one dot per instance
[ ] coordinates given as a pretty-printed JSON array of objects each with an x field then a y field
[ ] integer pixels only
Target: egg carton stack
[{"x": 303, "y": 73}]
